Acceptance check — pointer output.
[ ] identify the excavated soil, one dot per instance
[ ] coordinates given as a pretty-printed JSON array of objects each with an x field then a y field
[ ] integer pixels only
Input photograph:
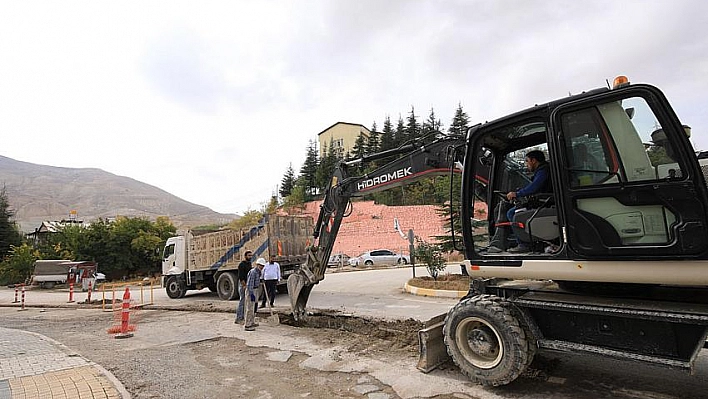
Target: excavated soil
[{"x": 362, "y": 335}]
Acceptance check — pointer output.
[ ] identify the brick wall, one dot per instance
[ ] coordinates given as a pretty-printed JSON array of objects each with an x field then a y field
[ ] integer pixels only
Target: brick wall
[{"x": 370, "y": 226}]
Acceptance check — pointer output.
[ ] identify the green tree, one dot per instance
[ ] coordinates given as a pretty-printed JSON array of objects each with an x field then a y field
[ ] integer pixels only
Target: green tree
[
  {"x": 431, "y": 126},
  {"x": 360, "y": 146},
  {"x": 296, "y": 199},
  {"x": 288, "y": 182},
  {"x": 16, "y": 266},
  {"x": 372, "y": 145},
  {"x": 412, "y": 130},
  {"x": 327, "y": 164},
  {"x": 388, "y": 141},
  {"x": 460, "y": 122},
  {"x": 308, "y": 172},
  {"x": 9, "y": 234},
  {"x": 399, "y": 134},
  {"x": 249, "y": 219},
  {"x": 430, "y": 255}
]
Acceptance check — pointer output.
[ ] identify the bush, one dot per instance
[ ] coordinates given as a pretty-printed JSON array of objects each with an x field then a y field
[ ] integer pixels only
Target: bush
[{"x": 431, "y": 255}]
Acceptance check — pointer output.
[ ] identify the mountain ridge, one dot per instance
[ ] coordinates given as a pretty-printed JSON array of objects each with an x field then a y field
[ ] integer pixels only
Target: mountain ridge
[{"x": 39, "y": 193}]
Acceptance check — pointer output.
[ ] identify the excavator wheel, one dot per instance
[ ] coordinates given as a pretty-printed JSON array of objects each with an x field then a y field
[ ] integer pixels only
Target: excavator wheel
[{"x": 487, "y": 341}]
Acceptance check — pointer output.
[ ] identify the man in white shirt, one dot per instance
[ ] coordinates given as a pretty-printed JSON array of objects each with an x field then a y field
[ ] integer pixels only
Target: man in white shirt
[{"x": 271, "y": 276}]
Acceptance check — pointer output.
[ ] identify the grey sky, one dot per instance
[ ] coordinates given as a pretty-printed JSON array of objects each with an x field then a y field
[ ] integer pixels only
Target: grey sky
[{"x": 212, "y": 100}]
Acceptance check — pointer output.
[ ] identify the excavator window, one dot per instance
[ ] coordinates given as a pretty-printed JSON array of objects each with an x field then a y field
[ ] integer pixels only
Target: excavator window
[{"x": 615, "y": 153}]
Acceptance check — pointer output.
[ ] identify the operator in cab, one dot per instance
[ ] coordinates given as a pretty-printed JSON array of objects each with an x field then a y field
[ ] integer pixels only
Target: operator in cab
[{"x": 540, "y": 183}]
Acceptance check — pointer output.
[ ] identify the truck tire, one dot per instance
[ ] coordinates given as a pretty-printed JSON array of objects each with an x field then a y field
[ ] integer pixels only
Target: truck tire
[
  {"x": 175, "y": 287},
  {"x": 48, "y": 285},
  {"x": 227, "y": 286},
  {"x": 486, "y": 341}
]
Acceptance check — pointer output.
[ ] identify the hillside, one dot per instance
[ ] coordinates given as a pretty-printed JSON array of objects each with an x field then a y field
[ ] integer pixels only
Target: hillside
[{"x": 40, "y": 192}]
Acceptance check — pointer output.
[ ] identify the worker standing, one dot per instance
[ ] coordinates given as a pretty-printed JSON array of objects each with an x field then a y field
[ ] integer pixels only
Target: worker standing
[
  {"x": 243, "y": 268},
  {"x": 271, "y": 277},
  {"x": 252, "y": 283}
]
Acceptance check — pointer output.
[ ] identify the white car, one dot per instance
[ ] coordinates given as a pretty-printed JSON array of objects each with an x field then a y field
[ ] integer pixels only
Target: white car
[{"x": 379, "y": 257}]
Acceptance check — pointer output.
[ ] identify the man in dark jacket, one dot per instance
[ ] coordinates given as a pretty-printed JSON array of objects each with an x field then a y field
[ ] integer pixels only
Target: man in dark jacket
[
  {"x": 536, "y": 163},
  {"x": 243, "y": 268}
]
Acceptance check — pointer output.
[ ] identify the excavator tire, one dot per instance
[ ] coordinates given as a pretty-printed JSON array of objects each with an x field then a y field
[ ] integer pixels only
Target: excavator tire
[
  {"x": 486, "y": 340},
  {"x": 227, "y": 286},
  {"x": 175, "y": 287}
]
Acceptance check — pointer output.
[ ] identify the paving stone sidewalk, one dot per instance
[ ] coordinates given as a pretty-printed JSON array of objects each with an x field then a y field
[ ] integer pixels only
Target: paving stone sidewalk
[{"x": 35, "y": 366}]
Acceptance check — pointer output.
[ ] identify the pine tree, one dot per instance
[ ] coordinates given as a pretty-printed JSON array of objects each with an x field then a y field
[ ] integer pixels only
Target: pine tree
[
  {"x": 372, "y": 146},
  {"x": 9, "y": 234},
  {"x": 326, "y": 167},
  {"x": 388, "y": 140},
  {"x": 288, "y": 182},
  {"x": 359, "y": 148},
  {"x": 412, "y": 129},
  {"x": 399, "y": 134},
  {"x": 308, "y": 172},
  {"x": 431, "y": 126},
  {"x": 460, "y": 122}
]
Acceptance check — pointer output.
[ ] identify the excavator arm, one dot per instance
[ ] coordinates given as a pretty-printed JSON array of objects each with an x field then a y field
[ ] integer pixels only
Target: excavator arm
[{"x": 415, "y": 161}]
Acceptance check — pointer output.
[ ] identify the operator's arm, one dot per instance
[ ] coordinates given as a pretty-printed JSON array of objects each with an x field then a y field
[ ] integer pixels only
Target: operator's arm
[{"x": 539, "y": 179}]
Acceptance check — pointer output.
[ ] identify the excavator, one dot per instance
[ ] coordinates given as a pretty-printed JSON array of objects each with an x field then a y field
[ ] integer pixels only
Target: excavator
[{"x": 617, "y": 254}]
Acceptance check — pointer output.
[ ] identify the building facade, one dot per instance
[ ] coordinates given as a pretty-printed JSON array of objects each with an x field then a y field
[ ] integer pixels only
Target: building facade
[{"x": 343, "y": 136}]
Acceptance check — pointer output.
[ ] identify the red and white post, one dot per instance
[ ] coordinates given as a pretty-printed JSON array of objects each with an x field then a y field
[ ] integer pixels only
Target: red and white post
[
  {"x": 17, "y": 291},
  {"x": 88, "y": 299},
  {"x": 23, "y": 298},
  {"x": 125, "y": 316},
  {"x": 71, "y": 293}
]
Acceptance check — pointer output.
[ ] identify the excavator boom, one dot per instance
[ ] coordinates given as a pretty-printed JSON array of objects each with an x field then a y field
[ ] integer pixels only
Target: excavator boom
[{"x": 442, "y": 156}]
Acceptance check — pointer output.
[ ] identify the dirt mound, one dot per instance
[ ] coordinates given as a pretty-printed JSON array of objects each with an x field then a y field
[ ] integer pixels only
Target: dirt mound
[
  {"x": 363, "y": 335},
  {"x": 453, "y": 282}
]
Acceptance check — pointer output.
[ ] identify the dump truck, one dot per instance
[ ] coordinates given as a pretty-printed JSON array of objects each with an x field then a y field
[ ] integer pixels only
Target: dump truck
[
  {"x": 193, "y": 261},
  {"x": 616, "y": 258}
]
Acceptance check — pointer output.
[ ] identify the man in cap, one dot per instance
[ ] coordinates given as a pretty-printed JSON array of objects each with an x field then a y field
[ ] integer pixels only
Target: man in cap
[
  {"x": 243, "y": 268},
  {"x": 253, "y": 281}
]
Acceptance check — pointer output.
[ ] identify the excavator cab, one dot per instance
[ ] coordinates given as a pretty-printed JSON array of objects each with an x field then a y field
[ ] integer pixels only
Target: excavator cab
[{"x": 626, "y": 182}]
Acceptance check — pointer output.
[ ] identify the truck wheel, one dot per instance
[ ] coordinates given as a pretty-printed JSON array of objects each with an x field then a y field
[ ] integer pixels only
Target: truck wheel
[
  {"x": 175, "y": 287},
  {"x": 486, "y": 340},
  {"x": 227, "y": 286},
  {"x": 49, "y": 285}
]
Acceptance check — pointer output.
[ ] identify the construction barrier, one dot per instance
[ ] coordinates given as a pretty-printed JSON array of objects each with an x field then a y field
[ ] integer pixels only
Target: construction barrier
[
  {"x": 71, "y": 292},
  {"x": 23, "y": 298},
  {"x": 124, "y": 329},
  {"x": 110, "y": 289}
]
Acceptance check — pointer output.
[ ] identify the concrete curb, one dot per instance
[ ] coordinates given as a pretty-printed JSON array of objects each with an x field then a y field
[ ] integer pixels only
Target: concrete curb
[{"x": 431, "y": 292}]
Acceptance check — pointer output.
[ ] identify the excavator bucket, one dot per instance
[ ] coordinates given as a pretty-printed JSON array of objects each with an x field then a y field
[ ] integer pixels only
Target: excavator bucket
[
  {"x": 301, "y": 282},
  {"x": 299, "y": 288},
  {"x": 431, "y": 345}
]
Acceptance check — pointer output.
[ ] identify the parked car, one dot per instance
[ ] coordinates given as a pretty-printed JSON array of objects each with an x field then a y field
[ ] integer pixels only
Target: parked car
[
  {"x": 379, "y": 257},
  {"x": 338, "y": 259}
]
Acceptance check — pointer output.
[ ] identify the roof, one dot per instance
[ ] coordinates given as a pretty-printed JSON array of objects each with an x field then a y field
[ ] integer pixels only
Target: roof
[{"x": 344, "y": 123}]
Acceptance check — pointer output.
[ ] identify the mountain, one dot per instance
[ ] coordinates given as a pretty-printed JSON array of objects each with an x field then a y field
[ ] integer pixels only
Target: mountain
[{"x": 39, "y": 192}]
